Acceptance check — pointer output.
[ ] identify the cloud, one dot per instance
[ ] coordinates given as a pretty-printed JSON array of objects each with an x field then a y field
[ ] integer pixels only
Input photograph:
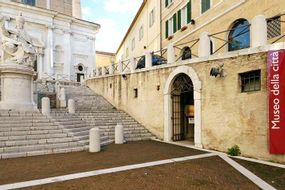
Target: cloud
[
  {"x": 109, "y": 36},
  {"x": 122, "y": 6},
  {"x": 86, "y": 12}
]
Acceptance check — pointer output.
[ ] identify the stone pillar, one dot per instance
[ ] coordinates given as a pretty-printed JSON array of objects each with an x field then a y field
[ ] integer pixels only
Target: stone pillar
[
  {"x": 46, "y": 106},
  {"x": 49, "y": 52},
  {"x": 76, "y": 9},
  {"x": 94, "y": 140},
  {"x": 17, "y": 87},
  {"x": 259, "y": 31},
  {"x": 132, "y": 64},
  {"x": 48, "y": 4},
  {"x": 103, "y": 71},
  {"x": 120, "y": 67},
  {"x": 71, "y": 106},
  {"x": 62, "y": 98},
  {"x": 119, "y": 134},
  {"x": 148, "y": 59},
  {"x": 170, "y": 53},
  {"x": 97, "y": 71},
  {"x": 204, "y": 49},
  {"x": 111, "y": 69}
]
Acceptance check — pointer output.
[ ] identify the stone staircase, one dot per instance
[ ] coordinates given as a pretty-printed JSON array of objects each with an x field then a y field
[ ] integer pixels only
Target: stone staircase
[{"x": 31, "y": 133}]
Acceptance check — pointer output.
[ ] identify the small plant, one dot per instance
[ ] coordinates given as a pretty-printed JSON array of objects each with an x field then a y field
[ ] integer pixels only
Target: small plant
[{"x": 234, "y": 151}]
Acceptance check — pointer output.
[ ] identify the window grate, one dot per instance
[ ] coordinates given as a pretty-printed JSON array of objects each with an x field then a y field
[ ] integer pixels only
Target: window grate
[
  {"x": 273, "y": 27},
  {"x": 250, "y": 81}
]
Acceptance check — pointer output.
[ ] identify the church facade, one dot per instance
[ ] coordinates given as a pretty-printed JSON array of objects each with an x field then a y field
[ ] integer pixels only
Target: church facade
[{"x": 68, "y": 52}]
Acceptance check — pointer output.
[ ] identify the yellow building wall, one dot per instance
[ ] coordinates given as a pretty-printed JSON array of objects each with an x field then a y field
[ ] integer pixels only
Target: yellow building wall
[
  {"x": 219, "y": 17},
  {"x": 228, "y": 116},
  {"x": 104, "y": 59},
  {"x": 151, "y": 39}
]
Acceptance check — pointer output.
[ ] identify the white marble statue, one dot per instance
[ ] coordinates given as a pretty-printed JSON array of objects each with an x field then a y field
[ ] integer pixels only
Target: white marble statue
[{"x": 18, "y": 46}]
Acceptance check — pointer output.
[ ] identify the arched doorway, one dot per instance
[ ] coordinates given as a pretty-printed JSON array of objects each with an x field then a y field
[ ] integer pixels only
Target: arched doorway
[
  {"x": 182, "y": 97},
  {"x": 168, "y": 101}
]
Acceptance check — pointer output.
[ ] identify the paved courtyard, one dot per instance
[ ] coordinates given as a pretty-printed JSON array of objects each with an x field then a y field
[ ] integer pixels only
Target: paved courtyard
[{"x": 139, "y": 165}]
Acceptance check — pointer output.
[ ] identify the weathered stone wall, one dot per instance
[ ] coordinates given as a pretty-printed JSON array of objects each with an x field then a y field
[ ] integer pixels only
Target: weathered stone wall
[{"x": 229, "y": 117}]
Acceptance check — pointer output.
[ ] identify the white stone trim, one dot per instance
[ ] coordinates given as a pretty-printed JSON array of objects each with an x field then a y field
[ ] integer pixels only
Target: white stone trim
[
  {"x": 255, "y": 179},
  {"x": 197, "y": 103}
]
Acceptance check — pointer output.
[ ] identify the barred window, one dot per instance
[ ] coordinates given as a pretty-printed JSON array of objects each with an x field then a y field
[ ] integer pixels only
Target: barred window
[
  {"x": 250, "y": 81},
  {"x": 273, "y": 27},
  {"x": 29, "y": 2}
]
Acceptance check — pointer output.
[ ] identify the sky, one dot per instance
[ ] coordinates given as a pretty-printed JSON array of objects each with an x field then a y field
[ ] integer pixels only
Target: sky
[{"x": 114, "y": 16}]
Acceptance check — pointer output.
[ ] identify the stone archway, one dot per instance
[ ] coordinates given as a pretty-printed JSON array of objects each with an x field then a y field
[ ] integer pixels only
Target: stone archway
[{"x": 189, "y": 71}]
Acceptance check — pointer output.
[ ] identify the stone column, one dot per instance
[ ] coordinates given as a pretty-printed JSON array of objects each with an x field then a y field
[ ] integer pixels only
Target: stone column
[
  {"x": 103, "y": 71},
  {"x": 132, "y": 64},
  {"x": 17, "y": 87},
  {"x": 170, "y": 53},
  {"x": 49, "y": 52},
  {"x": 68, "y": 59},
  {"x": 259, "y": 31},
  {"x": 111, "y": 69},
  {"x": 76, "y": 9},
  {"x": 71, "y": 106},
  {"x": 62, "y": 98},
  {"x": 46, "y": 106},
  {"x": 94, "y": 140},
  {"x": 119, "y": 134},
  {"x": 204, "y": 49},
  {"x": 120, "y": 67},
  {"x": 48, "y": 4},
  {"x": 97, "y": 71},
  {"x": 148, "y": 59}
]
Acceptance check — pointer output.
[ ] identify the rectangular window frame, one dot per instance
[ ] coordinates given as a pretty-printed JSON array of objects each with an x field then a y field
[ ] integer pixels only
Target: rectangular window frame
[
  {"x": 201, "y": 7},
  {"x": 29, "y": 2},
  {"x": 151, "y": 17},
  {"x": 184, "y": 13},
  {"x": 141, "y": 33},
  {"x": 250, "y": 81},
  {"x": 168, "y": 3},
  {"x": 274, "y": 27}
]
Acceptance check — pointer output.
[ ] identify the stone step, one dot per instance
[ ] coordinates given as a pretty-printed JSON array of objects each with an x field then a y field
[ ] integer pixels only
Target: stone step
[
  {"x": 29, "y": 128},
  {"x": 33, "y": 137},
  {"x": 34, "y": 132}
]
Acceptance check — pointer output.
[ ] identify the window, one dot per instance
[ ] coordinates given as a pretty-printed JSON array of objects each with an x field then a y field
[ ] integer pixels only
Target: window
[
  {"x": 186, "y": 53},
  {"x": 184, "y": 16},
  {"x": 273, "y": 27},
  {"x": 168, "y": 2},
  {"x": 127, "y": 52},
  {"x": 133, "y": 44},
  {"x": 141, "y": 33},
  {"x": 169, "y": 27},
  {"x": 29, "y": 2},
  {"x": 151, "y": 18},
  {"x": 205, "y": 5},
  {"x": 250, "y": 81},
  {"x": 239, "y": 36},
  {"x": 135, "y": 93}
]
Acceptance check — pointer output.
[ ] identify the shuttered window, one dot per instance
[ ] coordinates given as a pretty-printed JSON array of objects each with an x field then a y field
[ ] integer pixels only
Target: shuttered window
[
  {"x": 179, "y": 19},
  {"x": 166, "y": 29},
  {"x": 205, "y": 5},
  {"x": 174, "y": 23},
  {"x": 168, "y": 2},
  {"x": 189, "y": 11}
]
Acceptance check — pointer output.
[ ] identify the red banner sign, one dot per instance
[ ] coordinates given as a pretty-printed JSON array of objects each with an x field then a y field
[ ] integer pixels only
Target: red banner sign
[{"x": 276, "y": 89}]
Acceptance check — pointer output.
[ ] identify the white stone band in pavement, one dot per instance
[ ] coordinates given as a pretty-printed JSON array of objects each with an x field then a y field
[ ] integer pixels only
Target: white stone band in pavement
[
  {"x": 100, "y": 172},
  {"x": 255, "y": 179}
]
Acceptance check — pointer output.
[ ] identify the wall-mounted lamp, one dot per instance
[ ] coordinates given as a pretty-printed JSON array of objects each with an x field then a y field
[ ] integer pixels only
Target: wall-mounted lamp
[
  {"x": 192, "y": 21},
  {"x": 215, "y": 71}
]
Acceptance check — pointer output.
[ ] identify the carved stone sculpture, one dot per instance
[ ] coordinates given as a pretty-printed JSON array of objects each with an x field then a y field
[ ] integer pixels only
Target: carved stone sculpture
[{"x": 18, "y": 46}]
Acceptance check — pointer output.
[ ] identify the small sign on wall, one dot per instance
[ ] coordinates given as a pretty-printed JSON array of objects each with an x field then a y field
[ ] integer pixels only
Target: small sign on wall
[{"x": 276, "y": 90}]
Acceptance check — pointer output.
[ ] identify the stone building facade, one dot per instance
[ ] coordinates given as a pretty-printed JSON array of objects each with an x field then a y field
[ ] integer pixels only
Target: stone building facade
[{"x": 69, "y": 43}]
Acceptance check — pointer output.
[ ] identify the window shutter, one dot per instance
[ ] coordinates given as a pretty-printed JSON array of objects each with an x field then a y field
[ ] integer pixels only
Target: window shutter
[
  {"x": 189, "y": 12},
  {"x": 174, "y": 23},
  {"x": 179, "y": 19},
  {"x": 166, "y": 29},
  {"x": 166, "y": 3}
]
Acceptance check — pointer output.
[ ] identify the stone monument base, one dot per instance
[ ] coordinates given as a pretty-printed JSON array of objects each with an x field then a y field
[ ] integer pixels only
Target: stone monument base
[{"x": 17, "y": 87}]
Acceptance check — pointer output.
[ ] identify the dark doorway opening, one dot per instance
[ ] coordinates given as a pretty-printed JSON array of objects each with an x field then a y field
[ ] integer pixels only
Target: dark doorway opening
[
  {"x": 79, "y": 77},
  {"x": 182, "y": 108}
]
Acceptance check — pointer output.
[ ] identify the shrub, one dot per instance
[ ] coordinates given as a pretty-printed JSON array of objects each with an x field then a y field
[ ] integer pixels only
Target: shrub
[{"x": 234, "y": 151}]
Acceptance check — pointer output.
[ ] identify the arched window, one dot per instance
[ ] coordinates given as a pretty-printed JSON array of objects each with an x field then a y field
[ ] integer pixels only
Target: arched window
[
  {"x": 186, "y": 53},
  {"x": 239, "y": 36}
]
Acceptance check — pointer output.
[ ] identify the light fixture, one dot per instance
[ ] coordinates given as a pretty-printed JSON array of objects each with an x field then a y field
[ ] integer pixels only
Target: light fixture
[
  {"x": 124, "y": 77},
  {"x": 215, "y": 71}
]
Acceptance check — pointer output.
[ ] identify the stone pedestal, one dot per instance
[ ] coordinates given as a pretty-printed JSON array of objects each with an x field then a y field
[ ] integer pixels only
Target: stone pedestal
[
  {"x": 94, "y": 140},
  {"x": 17, "y": 87},
  {"x": 71, "y": 106},
  {"x": 62, "y": 98},
  {"x": 119, "y": 134}
]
